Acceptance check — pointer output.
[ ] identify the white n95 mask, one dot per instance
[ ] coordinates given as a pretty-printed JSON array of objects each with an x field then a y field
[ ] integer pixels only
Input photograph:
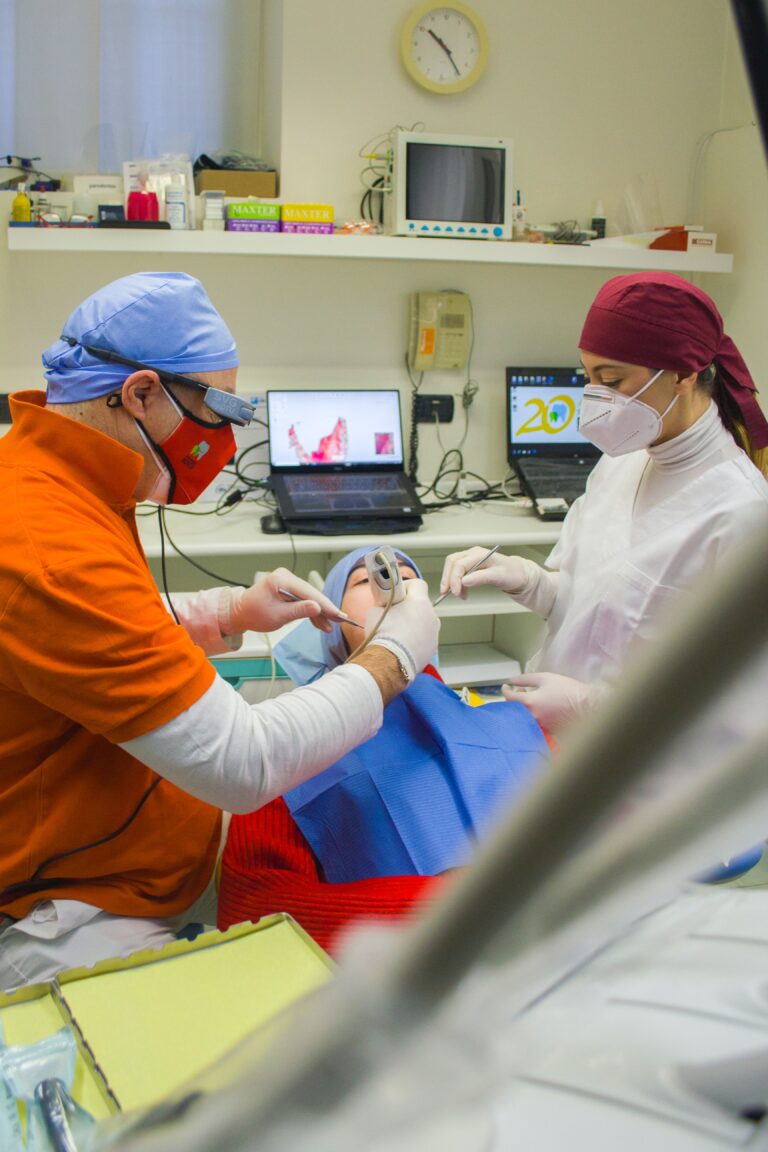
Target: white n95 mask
[{"x": 617, "y": 424}]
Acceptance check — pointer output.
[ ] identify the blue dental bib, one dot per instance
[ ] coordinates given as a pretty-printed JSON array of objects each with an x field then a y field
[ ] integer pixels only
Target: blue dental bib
[{"x": 418, "y": 796}]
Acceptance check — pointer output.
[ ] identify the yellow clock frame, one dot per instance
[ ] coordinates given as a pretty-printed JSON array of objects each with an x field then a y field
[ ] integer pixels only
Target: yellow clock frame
[{"x": 412, "y": 67}]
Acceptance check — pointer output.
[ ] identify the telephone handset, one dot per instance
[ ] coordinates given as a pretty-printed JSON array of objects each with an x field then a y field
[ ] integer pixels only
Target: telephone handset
[{"x": 441, "y": 331}]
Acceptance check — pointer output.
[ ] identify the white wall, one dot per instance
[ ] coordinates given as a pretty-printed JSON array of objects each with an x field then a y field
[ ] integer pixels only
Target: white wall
[
  {"x": 735, "y": 193},
  {"x": 593, "y": 96}
]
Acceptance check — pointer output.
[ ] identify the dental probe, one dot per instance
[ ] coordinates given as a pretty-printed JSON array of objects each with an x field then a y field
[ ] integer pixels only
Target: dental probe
[
  {"x": 482, "y": 560},
  {"x": 342, "y": 616}
]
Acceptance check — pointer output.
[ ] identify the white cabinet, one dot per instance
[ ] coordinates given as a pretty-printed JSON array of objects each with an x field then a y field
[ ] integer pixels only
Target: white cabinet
[{"x": 479, "y": 636}]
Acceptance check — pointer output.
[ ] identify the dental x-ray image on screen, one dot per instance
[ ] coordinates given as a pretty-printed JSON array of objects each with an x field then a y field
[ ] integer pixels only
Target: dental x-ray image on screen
[
  {"x": 336, "y": 461},
  {"x": 334, "y": 429}
]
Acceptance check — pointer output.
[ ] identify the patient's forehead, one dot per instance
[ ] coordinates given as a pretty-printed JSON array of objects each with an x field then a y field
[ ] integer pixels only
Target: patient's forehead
[{"x": 359, "y": 573}]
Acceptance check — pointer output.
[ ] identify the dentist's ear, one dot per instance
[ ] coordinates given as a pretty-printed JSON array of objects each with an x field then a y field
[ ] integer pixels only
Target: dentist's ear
[{"x": 140, "y": 391}]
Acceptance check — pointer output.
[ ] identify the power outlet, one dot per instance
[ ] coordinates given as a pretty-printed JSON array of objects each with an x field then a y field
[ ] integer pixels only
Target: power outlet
[{"x": 431, "y": 408}]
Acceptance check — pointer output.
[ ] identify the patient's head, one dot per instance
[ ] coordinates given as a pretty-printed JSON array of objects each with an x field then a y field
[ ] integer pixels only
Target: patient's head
[
  {"x": 347, "y": 585},
  {"x": 306, "y": 653},
  {"x": 358, "y": 596}
]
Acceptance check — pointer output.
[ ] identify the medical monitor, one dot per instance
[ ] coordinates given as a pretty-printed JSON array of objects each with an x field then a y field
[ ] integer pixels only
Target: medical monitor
[
  {"x": 459, "y": 187},
  {"x": 332, "y": 431},
  {"x": 543, "y": 413}
]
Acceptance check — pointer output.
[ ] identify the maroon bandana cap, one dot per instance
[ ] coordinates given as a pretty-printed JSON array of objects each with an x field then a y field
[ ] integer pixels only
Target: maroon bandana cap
[{"x": 661, "y": 321}]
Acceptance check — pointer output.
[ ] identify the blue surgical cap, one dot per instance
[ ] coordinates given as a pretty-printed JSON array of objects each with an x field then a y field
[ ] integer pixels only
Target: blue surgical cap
[
  {"x": 306, "y": 653},
  {"x": 163, "y": 319}
]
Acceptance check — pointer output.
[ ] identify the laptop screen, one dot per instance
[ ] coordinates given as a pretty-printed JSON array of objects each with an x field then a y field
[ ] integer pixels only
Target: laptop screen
[
  {"x": 543, "y": 413},
  {"x": 334, "y": 431}
]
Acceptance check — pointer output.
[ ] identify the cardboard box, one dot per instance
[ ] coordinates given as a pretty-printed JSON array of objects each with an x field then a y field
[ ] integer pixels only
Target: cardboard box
[
  {"x": 253, "y": 225},
  {"x": 103, "y": 187},
  {"x": 159, "y": 1019},
  {"x": 253, "y": 216},
  {"x": 702, "y": 241},
  {"x": 236, "y": 182},
  {"x": 306, "y": 214},
  {"x": 684, "y": 238},
  {"x": 252, "y": 210},
  {"x": 304, "y": 226}
]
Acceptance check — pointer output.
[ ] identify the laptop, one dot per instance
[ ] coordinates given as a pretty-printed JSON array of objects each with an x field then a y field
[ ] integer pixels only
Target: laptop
[
  {"x": 549, "y": 455},
  {"x": 336, "y": 462}
]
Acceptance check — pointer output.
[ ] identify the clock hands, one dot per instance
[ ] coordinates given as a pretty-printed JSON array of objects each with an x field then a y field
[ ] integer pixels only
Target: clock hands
[{"x": 445, "y": 49}]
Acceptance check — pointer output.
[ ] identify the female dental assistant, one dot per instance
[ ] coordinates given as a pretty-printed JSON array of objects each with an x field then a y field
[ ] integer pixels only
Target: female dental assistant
[{"x": 671, "y": 404}]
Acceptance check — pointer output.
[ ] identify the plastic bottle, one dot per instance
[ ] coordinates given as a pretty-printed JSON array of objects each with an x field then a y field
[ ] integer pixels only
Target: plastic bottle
[
  {"x": 141, "y": 203},
  {"x": 21, "y": 206},
  {"x": 176, "y": 202},
  {"x": 598, "y": 221}
]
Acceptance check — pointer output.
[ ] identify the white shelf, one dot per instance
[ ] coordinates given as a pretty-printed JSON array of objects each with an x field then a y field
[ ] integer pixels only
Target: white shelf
[
  {"x": 479, "y": 602},
  {"x": 460, "y": 664},
  {"x": 239, "y": 534},
  {"x": 96, "y": 240},
  {"x": 475, "y": 664}
]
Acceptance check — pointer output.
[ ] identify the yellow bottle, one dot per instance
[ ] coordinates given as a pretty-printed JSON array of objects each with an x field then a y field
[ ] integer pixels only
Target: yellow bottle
[{"x": 21, "y": 206}]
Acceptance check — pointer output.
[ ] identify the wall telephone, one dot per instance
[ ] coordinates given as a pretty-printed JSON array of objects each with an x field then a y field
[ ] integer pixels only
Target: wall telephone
[{"x": 441, "y": 331}]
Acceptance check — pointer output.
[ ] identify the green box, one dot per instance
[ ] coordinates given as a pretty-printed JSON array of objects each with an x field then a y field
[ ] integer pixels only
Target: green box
[{"x": 252, "y": 210}]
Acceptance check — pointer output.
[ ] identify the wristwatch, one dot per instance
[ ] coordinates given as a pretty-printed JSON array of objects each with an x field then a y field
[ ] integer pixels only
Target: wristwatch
[{"x": 404, "y": 659}]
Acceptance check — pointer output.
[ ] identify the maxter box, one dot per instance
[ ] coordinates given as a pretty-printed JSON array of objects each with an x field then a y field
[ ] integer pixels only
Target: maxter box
[
  {"x": 252, "y": 210},
  {"x": 306, "y": 218},
  {"x": 304, "y": 226},
  {"x": 306, "y": 214},
  {"x": 238, "y": 225}
]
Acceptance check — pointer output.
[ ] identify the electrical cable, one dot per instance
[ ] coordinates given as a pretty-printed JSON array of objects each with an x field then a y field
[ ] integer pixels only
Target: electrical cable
[
  {"x": 369, "y": 638},
  {"x": 163, "y": 571},
  {"x": 698, "y": 160},
  {"x": 190, "y": 560},
  {"x": 273, "y": 665},
  {"x": 377, "y": 151},
  {"x": 413, "y": 443},
  {"x": 37, "y": 883}
]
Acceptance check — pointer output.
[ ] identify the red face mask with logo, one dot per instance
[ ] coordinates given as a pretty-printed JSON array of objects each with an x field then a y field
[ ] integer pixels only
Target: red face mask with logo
[{"x": 190, "y": 458}]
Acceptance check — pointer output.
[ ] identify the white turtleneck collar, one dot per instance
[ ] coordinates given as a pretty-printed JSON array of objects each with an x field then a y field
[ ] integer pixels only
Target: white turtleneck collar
[
  {"x": 678, "y": 461},
  {"x": 706, "y": 435}
]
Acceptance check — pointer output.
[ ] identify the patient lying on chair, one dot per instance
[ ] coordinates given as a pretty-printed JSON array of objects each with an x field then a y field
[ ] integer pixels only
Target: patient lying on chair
[{"x": 371, "y": 835}]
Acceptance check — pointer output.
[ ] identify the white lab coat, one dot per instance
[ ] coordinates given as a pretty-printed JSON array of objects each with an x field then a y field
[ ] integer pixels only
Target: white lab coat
[{"x": 620, "y": 574}]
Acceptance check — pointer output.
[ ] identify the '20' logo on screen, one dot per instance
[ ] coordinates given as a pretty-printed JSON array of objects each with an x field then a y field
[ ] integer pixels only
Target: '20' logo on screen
[{"x": 550, "y": 416}]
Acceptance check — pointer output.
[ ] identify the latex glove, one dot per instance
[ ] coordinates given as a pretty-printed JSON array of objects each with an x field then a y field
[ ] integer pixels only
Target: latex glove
[
  {"x": 261, "y": 608},
  {"x": 410, "y": 629},
  {"x": 510, "y": 573},
  {"x": 554, "y": 700}
]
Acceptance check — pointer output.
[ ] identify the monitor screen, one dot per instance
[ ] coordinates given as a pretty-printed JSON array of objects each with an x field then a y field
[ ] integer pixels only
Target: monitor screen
[
  {"x": 335, "y": 430},
  {"x": 453, "y": 182},
  {"x": 543, "y": 412}
]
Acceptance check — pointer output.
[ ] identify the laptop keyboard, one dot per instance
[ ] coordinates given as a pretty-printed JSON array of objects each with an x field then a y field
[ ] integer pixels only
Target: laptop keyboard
[
  {"x": 325, "y": 482},
  {"x": 552, "y": 478},
  {"x": 332, "y": 492}
]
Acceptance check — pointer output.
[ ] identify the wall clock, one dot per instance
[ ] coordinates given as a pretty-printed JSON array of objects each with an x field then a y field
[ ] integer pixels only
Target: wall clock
[{"x": 444, "y": 47}]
